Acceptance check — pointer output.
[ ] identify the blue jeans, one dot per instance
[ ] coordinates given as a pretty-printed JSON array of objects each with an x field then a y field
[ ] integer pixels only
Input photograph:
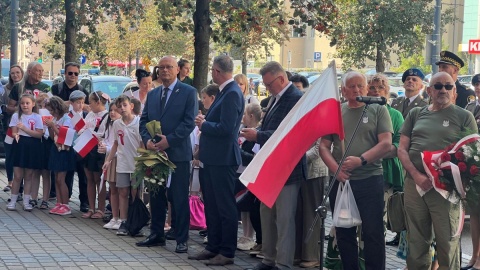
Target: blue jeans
[{"x": 368, "y": 195}]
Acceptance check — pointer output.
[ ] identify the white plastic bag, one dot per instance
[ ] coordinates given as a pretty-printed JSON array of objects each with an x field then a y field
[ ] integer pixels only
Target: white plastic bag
[{"x": 346, "y": 213}]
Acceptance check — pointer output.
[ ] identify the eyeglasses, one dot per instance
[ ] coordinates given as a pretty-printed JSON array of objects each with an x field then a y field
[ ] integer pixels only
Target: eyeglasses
[
  {"x": 70, "y": 73},
  {"x": 268, "y": 85},
  {"x": 165, "y": 67},
  {"x": 214, "y": 69},
  {"x": 376, "y": 88},
  {"x": 439, "y": 86}
]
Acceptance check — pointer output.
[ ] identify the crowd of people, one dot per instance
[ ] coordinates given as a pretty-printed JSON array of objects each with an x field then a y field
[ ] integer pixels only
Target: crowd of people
[{"x": 218, "y": 133}]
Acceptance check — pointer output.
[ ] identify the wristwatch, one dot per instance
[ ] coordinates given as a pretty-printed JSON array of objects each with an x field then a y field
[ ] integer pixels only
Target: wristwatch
[{"x": 364, "y": 161}]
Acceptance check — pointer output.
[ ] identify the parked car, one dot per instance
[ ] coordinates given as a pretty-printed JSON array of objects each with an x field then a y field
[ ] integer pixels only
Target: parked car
[
  {"x": 111, "y": 85},
  {"x": 49, "y": 82},
  {"x": 466, "y": 80},
  {"x": 131, "y": 86},
  {"x": 396, "y": 87},
  {"x": 308, "y": 74}
]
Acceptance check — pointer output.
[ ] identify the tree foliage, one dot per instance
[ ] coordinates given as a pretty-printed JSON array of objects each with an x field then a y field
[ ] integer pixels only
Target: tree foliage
[
  {"x": 247, "y": 24},
  {"x": 146, "y": 36},
  {"x": 29, "y": 20},
  {"x": 369, "y": 29}
]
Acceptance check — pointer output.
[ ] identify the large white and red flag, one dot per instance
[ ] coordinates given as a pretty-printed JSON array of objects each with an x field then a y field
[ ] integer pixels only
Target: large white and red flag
[
  {"x": 65, "y": 136},
  {"x": 315, "y": 115},
  {"x": 77, "y": 121},
  {"x": 85, "y": 143}
]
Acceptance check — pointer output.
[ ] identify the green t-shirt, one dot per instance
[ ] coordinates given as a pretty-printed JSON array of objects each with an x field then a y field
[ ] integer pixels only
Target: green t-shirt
[
  {"x": 188, "y": 81},
  {"x": 392, "y": 168},
  {"x": 431, "y": 131},
  {"x": 29, "y": 89},
  {"x": 376, "y": 121}
]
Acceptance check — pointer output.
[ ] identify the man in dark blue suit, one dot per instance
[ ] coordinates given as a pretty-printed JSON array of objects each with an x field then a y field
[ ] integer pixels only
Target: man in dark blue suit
[
  {"x": 174, "y": 104},
  {"x": 220, "y": 154},
  {"x": 278, "y": 222}
]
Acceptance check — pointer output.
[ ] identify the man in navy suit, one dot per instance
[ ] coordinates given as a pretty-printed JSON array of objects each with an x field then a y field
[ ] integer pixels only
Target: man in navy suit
[
  {"x": 174, "y": 104},
  {"x": 278, "y": 222},
  {"x": 220, "y": 154}
]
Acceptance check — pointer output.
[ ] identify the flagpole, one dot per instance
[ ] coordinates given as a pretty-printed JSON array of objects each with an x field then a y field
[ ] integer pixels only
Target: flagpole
[{"x": 322, "y": 209}]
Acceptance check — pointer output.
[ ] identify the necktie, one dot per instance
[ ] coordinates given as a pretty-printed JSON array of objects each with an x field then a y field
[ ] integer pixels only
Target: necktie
[
  {"x": 406, "y": 103},
  {"x": 164, "y": 98}
]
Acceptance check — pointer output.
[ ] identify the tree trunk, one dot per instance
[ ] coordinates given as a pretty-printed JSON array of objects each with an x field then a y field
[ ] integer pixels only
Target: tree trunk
[
  {"x": 244, "y": 62},
  {"x": 70, "y": 32},
  {"x": 379, "y": 61},
  {"x": 201, "y": 20}
]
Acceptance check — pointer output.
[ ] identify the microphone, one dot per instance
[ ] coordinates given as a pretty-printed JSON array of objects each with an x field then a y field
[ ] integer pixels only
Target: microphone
[{"x": 372, "y": 100}]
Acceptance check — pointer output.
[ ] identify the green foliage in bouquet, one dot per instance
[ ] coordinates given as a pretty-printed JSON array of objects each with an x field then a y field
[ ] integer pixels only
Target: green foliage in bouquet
[{"x": 152, "y": 167}]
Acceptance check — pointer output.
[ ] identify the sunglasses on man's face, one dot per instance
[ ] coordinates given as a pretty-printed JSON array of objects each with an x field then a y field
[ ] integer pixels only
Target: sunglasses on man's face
[
  {"x": 70, "y": 73},
  {"x": 439, "y": 86}
]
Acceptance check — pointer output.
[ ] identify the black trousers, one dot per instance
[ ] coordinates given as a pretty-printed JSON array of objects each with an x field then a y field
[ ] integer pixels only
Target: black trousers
[
  {"x": 82, "y": 182},
  {"x": 178, "y": 192},
  {"x": 218, "y": 184},
  {"x": 368, "y": 195}
]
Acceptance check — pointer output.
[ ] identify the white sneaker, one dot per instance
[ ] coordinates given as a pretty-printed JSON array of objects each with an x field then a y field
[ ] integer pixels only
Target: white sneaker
[
  {"x": 110, "y": 224},
  {"x": 117, "y": 224},
  {"x": 27, "y": 207},
  {"x": 245, "y": 243},
  {"x": 11, "y": 206}
]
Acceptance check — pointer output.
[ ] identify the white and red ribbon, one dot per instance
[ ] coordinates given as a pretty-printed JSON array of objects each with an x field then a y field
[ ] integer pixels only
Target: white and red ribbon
[{"x": 432, "y": 162}]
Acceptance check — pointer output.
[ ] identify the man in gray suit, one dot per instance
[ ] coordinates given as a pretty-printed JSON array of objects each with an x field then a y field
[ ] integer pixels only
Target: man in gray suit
[{"x": 412, "y": 82}]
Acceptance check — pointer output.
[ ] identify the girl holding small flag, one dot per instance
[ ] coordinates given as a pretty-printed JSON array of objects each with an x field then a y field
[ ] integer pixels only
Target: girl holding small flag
[
  {"x": 27, "y": 129},
  {"x": 93, "y": 161},
  {"x": 62, "y": 158}
]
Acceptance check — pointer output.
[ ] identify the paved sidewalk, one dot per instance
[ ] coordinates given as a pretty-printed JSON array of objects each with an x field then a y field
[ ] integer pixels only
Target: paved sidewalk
[{"x": 38, "y": 240}]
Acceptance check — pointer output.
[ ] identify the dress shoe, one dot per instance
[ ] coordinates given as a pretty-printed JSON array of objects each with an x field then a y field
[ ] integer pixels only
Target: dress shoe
[
  {"x": 202, "y": 255},
  {"x": 394, "y": 241},
  {"x": 152, "y": 240},
  {"x": 466, "y": 267},
  {"x": 181, "y": 248},
  {"x": 261, "y": 266},
  {"x": 170, "y": 235},
  {"x": 219, "y": 260},
  {"x": 310, "y": 264},
  {"x": 203, "y": 233}
]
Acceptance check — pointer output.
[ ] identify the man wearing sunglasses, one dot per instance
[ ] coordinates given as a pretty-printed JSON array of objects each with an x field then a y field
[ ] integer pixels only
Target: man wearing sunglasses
[
  {"x": 412, "y": 82},
  {"x": 432, "y": 127},
  {"x": 451, "y": 64},
  {"x": 70, "y": 84}
]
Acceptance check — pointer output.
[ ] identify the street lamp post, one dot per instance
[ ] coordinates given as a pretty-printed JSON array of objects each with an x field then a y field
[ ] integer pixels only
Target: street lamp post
[
  {"x": 437, "y": 41},
  {"x": 14, "y": 33}
]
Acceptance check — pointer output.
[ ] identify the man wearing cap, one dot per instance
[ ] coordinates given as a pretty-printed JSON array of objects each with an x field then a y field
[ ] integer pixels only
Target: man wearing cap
[
  {"x": 474, "y": 106},
  {"x": 412, "y": 82},
  {"x": 451, "y": 64}
]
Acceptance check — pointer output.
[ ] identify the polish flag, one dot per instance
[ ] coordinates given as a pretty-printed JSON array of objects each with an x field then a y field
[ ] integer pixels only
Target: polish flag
[
  {"x": 9, "y": 136},
  {"x": 85, "y": 143},
  {"x": 65, "y": 136},
  {"x": 77, "y": 122},
  {"x": 315, "y": 115}
]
